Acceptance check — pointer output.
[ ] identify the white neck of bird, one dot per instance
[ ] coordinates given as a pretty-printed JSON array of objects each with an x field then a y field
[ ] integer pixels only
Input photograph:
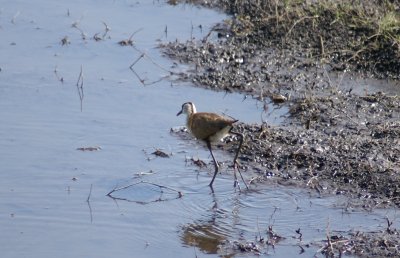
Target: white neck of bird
[
  {"x": 190, "y": 111},
  {"x": 193, "y": 109}
]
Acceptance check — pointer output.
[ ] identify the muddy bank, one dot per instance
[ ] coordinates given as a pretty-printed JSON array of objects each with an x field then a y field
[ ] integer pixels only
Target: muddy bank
[
  {"x": 362, "y": 36},
  {"x": 356, "y": 243},
  {"x": 336, "y": 139},
  {"x": 361, "y": 164}
]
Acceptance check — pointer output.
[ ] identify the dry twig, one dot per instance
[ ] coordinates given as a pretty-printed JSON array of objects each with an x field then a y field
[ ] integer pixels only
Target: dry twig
[
  {"x": 110, "y": 194},
  {"x": 88, "y": 202},
  {"x": 79, "y": 86}
]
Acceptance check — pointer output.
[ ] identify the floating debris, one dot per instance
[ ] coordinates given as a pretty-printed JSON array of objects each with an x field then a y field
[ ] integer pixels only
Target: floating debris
[
  {"x": 65, "y": 41},
  {"x": 160, "y": 153},
  {"x": 94, "y": 148}
]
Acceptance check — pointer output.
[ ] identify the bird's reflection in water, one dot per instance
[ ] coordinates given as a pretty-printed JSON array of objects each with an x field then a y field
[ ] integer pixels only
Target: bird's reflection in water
[
  {"x": 203, "y": 236},
  {"x": 208, "y": 235}
]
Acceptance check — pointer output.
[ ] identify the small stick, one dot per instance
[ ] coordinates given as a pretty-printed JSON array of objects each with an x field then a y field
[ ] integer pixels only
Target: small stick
[
  {"x": 163, "y": 186},
  {"x": 329, "y": 246},
  {"x": 106, "y": 30},
  {"x": 258, "y": 228},
  {"x": 156, "y": 64},
  {"x": 142, "y": 81},
  {"x": 75, "y": 25},
  {"x": 191, "y": 30},
  {"x": 90, "y": 193},
  {"x": 129, "y": 41},
  {"x": 389, "y": 223},
  {"x": 137, "y": 60},
  {"x": 88, "y": 202},
  {"x": 300, "y": 234},
  {"x": 130, "y": 38},
  {"x": 137, "y": 75},
  {"x": 79, "y": 86},
  {"x": 144, "y": 55},
  {"x": 180, "y": 194},
  {"x": 121, "y": 188}
]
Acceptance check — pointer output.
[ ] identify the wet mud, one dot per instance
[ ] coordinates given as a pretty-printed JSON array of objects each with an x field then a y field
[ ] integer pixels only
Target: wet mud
[{"x": 336, "y": 140}]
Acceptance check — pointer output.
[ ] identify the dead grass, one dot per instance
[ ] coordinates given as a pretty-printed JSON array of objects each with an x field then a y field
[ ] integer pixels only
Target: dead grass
[{"x": 363, "y": 33}]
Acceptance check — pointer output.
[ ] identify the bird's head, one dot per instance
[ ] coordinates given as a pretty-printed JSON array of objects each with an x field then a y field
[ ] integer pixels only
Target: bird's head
[{"x": 188, "y": 108}]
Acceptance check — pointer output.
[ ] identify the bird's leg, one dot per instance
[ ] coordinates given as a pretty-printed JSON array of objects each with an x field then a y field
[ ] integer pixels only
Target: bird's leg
[
  {"x": 240, "y": 146},
  {"x": 215, "y": 164},
  {"x": 235, "y": 162},
  {"x": 236, "y": 182}
]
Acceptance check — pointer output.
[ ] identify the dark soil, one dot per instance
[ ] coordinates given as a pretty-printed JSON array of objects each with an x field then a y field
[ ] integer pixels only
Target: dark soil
[
  {"x": 342, "y": 144},
  {"x": 335, "y": 141}
]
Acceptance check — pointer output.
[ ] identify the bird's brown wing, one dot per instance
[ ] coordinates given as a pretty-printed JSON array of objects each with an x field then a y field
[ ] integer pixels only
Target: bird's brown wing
[{"x": 203, "y": 125}]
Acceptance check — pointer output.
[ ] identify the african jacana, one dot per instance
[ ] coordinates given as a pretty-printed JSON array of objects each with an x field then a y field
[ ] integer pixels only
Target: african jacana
[{"x": 209, "y": 127}]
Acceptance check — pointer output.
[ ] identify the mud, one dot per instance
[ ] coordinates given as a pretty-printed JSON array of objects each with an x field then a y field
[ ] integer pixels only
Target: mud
[
  {"x": 335, "y": 140},
  {"x": 341, "y": 144},
  {"x": 356, "y": 243}
]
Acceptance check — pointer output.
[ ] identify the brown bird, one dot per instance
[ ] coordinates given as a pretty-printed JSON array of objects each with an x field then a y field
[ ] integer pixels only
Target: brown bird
[{"x": 210, "y": 127}]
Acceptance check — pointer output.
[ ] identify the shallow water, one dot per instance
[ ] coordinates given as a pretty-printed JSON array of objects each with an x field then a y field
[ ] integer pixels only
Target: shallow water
[{"x": 54, "y": 199}]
